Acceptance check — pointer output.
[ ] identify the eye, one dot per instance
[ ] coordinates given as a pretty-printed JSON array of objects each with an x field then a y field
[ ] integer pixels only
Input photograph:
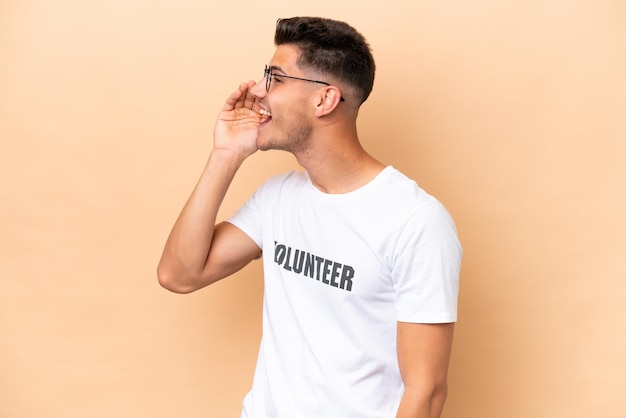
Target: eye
[{"x": 277, "y": 78}]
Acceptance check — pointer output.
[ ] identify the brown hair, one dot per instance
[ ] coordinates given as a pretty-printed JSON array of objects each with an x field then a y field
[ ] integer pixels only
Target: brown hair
[{"x": 331, "y": 47}]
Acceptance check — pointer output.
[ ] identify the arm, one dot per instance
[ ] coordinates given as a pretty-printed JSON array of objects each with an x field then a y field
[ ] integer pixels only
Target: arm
[
  {"x": 198, "y": 252},
  {"x": 423, "y": 357}
]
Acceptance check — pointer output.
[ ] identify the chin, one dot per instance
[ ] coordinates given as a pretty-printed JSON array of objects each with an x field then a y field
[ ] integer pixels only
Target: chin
[
  {"x": 263, "y": 145},
  {"x": 266, "y": 143}
]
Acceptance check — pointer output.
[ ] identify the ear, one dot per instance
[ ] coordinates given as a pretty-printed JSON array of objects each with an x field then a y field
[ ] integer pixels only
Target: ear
[{"x": 328, "y": 101}]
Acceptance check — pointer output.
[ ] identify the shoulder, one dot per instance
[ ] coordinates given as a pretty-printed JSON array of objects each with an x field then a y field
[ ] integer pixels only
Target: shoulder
[
  {"x": 289, "y": 179},
  {"x": 417, "y": 212},
  {"x": 281, "y": 183},
  {"x": 292, "y": 177},
  {"x": 404, "y": 191}
]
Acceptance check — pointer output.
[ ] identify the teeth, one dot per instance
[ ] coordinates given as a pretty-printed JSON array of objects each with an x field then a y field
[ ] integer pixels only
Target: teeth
[{"x": 265, "y": 112}]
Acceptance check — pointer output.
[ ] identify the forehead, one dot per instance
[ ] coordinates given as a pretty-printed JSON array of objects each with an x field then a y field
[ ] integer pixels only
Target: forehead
[{"x": 285, "y": 57}]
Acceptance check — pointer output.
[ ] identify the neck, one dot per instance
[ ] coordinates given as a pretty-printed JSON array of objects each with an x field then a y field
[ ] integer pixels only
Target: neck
[{"x": 338, "y": 163}]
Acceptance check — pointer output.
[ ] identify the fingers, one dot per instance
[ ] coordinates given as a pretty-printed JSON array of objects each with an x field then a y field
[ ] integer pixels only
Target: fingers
[
  {"x": 244, "y": 91},
  {"x": 249, "y": 98},
  {"x": 235, "y": 97},
  {"x": 242, "y": 97}
]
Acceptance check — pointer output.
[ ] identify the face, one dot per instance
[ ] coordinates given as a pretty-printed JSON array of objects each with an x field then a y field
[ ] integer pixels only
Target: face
[{"x": 287, "y": 106}]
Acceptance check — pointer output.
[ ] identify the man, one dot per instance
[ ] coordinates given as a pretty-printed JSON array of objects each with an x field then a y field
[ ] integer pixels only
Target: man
[{"x": 361, "y": 266}]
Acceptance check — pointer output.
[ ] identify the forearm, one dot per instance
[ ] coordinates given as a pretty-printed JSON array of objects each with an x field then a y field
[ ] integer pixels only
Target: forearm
[
  {"x": 417, "y": 403},
  {"x": 183, "y": 264},
  {"x": 423, "y": 357}
]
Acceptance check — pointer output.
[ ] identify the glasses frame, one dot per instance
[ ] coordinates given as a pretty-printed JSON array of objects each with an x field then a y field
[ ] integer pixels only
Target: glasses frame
[{"x": 267, "y": 74}]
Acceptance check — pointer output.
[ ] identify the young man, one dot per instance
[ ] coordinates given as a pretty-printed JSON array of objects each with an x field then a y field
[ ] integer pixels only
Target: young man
[{"x": 361, "y": 265}]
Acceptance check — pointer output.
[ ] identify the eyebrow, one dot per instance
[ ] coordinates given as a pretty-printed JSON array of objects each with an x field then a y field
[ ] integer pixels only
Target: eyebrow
[{"x": 276, "y": 68}]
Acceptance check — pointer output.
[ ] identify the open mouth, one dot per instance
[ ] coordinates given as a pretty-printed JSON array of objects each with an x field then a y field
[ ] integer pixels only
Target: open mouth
[{"x": 267, "y": 117}]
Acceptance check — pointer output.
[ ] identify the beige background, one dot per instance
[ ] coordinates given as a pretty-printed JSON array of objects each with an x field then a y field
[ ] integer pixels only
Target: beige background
[{"x": 513, "y": 113}]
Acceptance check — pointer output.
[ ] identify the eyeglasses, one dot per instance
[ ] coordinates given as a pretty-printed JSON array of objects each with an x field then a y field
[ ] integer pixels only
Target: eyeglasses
[{"x": 267, "y": 74}]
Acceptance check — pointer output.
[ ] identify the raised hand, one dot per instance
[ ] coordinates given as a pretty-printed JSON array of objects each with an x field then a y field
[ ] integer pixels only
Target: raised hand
[
  {"x": 195, "y": 255},
  {"x": 237, "y": 125}
]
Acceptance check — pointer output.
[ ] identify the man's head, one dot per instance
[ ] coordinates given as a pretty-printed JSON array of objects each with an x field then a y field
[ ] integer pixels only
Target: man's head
[{"x": 330, "y": 47}]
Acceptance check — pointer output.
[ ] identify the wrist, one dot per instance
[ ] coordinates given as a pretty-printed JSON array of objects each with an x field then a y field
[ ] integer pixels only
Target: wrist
[
  {"x": 224, "y": 163},
  {"x": 227, "y": 155}
]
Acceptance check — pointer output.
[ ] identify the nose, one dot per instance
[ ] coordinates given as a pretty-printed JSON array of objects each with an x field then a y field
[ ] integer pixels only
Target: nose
[{"x": 258, "y": 90}]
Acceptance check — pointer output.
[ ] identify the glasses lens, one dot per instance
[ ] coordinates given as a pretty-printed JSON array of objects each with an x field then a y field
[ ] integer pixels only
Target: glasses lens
[{"x": 268, "y": 78}]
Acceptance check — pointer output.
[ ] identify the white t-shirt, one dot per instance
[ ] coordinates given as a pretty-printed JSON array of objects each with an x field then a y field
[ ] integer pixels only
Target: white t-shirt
[{"x": 340, "y": 271}]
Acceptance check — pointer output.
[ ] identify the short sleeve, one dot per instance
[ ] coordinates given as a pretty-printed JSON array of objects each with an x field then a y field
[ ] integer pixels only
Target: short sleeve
[
  {"x": 427, "y": 262},
  {"x": 249, "y": 217}
]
